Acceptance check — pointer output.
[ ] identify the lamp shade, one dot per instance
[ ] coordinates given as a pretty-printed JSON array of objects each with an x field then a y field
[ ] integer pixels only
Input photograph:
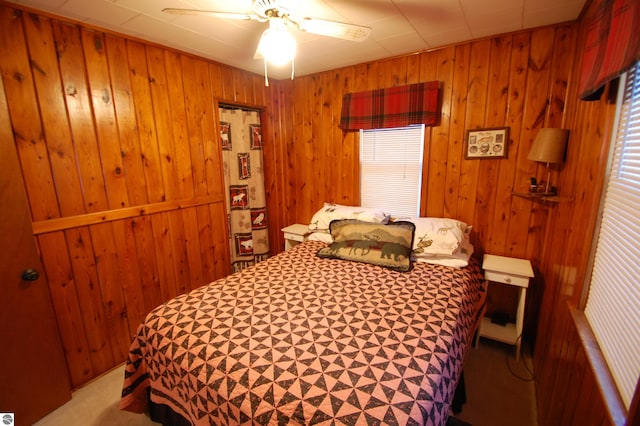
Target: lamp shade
[
  {"x": 549, "y": 145},
  {"x": 277, "y": 44}
]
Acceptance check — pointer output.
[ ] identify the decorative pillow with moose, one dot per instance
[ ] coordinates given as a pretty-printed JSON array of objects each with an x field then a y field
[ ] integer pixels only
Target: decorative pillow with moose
[
  {"x": 388, "y": 245},
  {"x": 437, "y": 235}
]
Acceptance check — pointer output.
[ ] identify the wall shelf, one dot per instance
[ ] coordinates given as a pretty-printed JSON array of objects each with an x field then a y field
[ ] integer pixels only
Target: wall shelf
[{"x": 538, "y": 196}]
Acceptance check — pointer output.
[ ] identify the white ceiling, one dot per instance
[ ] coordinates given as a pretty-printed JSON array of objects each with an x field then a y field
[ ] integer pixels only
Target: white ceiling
[{"x": 398, "y": 26}]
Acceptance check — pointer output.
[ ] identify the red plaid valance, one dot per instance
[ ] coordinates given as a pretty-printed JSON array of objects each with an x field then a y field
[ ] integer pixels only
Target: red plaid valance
[
  {"x": 612, "y": 44},
  {"x": 391, "y": 107}
]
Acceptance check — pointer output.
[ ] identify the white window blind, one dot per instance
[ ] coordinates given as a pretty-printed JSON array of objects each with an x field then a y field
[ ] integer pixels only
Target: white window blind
[
  {"x": 613, "y": 304},
  {"x": 391, "y": 169}
]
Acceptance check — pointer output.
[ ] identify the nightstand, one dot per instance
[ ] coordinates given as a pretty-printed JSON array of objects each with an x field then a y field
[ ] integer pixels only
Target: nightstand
[
  {"x": 507, "y": 271},
  {"x": 294, "y": 234}
]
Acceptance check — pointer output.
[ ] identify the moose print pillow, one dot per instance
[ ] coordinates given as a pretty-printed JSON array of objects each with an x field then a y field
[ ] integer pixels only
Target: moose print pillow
[
  {"x": 375, "y": 243},
  {"x": 437, "y": 235}
]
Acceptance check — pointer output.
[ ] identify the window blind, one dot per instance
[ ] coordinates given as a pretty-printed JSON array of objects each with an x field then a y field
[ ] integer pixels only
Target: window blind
[
  {"x": 391, "y": 169},
  {"x": 613, "y": 303}
]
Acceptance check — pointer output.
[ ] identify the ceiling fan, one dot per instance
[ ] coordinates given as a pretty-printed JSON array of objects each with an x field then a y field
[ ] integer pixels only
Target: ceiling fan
[
  {"x": 267, "y": 10},
  {"x": 277, "y": 44}
]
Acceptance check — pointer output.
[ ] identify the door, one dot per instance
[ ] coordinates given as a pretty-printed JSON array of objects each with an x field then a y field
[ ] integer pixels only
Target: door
[{"x": 34, "y": 379}]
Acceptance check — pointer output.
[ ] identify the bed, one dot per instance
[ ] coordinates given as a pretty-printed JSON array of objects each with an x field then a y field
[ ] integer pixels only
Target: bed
[{"x": 303, "y": 339}]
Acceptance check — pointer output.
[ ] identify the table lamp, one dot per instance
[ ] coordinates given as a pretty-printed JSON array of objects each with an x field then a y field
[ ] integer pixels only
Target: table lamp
[{"x": 549, "y": 147}]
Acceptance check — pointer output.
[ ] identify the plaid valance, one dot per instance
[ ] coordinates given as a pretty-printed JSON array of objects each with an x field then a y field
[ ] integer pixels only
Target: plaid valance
[
  {"x": 612, "y": 44},
  {"x": 392, "y": 107}
]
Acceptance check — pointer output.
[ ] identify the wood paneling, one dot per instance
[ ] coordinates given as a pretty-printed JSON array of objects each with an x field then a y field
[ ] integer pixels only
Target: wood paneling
[
  {"x": 118, "y": 147},
  {"x": 518, "y": 81},
  {"x": 35, "y": 379},
  {"x": 123, "y": 167},
  {"x": 566, "y": 386},
  {"x": 524, "y": 81},
  {"x": 506, "y": 81},
  {"x": 117, "y": 141}
]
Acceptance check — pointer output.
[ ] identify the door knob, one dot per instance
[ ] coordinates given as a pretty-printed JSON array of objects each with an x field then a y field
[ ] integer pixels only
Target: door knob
[{"x": 30, "y": 275}]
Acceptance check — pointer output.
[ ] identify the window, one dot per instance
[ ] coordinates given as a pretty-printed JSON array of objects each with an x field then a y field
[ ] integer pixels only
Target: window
[
  {"x": 391, "y": 169},
  {"x": 613, "y": 304}
]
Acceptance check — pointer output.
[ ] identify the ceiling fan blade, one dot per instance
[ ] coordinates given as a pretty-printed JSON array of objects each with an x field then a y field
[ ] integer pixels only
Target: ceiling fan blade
[
  {"x": 333, "y": 29},
  {"x": 223, "y": 15}
]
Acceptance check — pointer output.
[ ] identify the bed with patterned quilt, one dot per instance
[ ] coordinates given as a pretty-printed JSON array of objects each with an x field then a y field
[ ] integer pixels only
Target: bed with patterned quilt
[{"x": 307, "y": 339}]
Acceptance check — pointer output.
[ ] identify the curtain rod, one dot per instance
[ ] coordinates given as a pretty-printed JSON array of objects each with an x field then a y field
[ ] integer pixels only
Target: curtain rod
[{"x": 242, "y": 107}]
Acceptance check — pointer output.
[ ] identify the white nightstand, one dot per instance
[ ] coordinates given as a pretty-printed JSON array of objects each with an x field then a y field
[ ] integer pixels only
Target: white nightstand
[
  {"x": 509, "y": 271},
  {"x": 294, "y": 234}
]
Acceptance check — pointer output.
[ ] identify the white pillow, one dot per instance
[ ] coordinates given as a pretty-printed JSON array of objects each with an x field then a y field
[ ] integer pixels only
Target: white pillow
[
  {"x": 322, "y": 236},
  {"x": 437, "y": 235},
  {"x": 323, "y": 217},
  {"x": 459, "y": 259}
]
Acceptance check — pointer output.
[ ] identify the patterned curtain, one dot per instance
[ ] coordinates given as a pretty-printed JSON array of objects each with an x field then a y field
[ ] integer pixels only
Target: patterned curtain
[
  {"x": 612, "y": 45},
  {"x": 241, "y": 141},
  {"x": 392, "y": 107}
]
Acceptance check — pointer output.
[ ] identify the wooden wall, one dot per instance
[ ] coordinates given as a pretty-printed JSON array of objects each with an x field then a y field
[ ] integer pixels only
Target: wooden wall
[
  {"x": 118, "y": 147},
  {"x": 565, "y": 382},
  {"x": 117, "y": 142},
  {"x": 519, "y": 80},
  {"x": 525, "y": 81},
  {"x": 566, "y": 386}
]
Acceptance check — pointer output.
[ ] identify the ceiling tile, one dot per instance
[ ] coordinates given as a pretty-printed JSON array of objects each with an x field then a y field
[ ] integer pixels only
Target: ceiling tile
[
  {"x": 403, "y": 43},
  {"x": 485, "y": 7},
  {"x": 316, "y": 9},
  {"x": 445, "y": 38},
  {"x": 148, "y": 7},
  {"x": 363, "y": 12},
  {"x": 483, "y": 24},
  {"x": 439, "y": 17},
  {"x": 398, "y": 26},
  {"x": 216, "y": 5},
  {"x": 536, "y": 15},
  {"x": 221, "y": 29},
  {"x": 389, "y": 26},
  {"x": 101, "y": 11},
  {"x": 49, "y": 5}
]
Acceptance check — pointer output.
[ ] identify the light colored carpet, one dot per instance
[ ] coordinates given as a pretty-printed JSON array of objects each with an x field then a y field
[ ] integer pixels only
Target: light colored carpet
[
  {"x": 495, "y": 397},
  {"x": 500, "y": 391},
  {"x": 96, "y": 404}
]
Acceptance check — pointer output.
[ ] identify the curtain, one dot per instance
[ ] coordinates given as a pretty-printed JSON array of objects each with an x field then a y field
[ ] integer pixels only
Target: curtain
[
  {"x": 612, "y": 44},
  {"x": 241, "y": 142},
  {"x": 392, "y": 107}
]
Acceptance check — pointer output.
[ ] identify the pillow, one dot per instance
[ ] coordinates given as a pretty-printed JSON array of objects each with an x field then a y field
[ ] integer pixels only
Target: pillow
[
  {"x": 387, "y": 245},
  {"x": 323, "y": 217},
  {"x": 459, "y": 259},
  {"x": 435, "y": 235},
  {"x": 323, "y": 236}
]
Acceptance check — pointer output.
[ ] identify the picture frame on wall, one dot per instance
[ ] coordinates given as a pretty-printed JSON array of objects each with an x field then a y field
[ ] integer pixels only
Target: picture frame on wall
[{"x": 487, "y": 143}]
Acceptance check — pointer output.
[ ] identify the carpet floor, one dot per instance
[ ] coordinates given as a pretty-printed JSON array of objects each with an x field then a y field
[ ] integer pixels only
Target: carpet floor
[{"x": 499, "y": 393}]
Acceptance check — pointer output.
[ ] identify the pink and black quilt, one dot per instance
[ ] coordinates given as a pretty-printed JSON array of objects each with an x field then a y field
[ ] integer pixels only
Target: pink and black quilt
[{"x": 299, "y": 339}]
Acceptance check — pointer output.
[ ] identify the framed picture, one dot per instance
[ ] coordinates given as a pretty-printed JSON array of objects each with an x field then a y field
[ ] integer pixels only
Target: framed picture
[
  {"x": 256, "y": 136},
  {"x": 225, "y": 136},
  {"x": 487, "y": 143}
]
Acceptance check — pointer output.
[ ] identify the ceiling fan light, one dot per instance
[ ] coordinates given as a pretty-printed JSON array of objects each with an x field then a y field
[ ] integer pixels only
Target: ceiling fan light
[{"x": 277, "y": 45}]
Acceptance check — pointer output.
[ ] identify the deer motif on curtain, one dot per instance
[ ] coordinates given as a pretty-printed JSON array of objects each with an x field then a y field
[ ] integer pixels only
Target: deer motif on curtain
[{"x": 241, "y": 142}]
